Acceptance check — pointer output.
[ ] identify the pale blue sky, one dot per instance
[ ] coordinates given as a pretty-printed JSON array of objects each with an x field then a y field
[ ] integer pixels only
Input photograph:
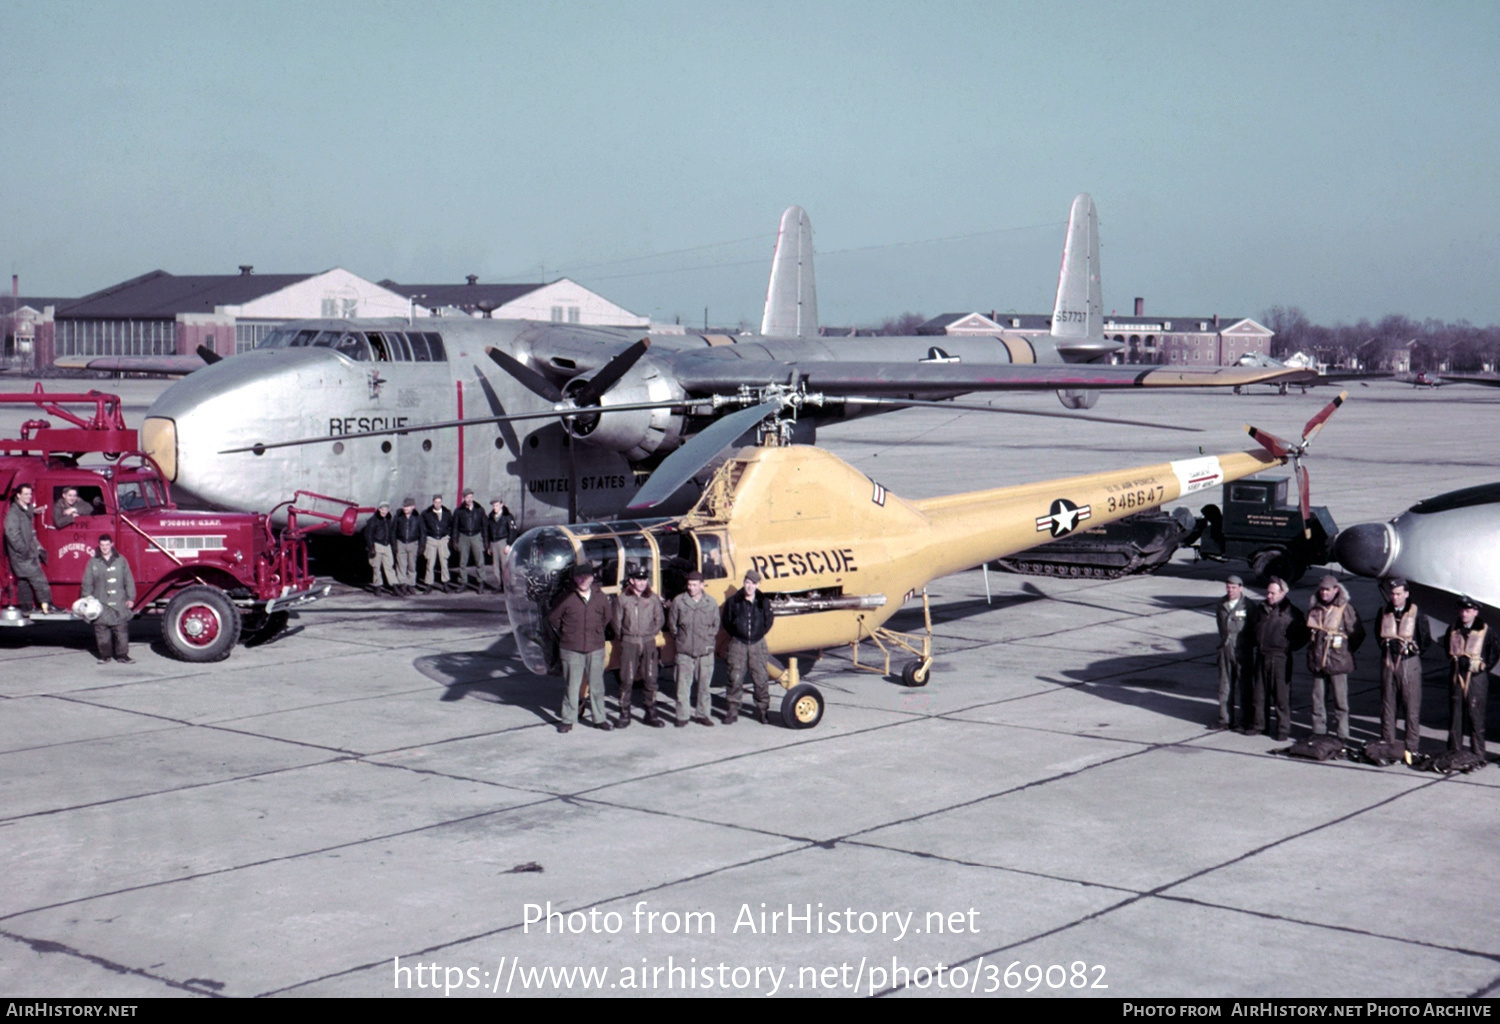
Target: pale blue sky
[{"x": 1338, "y": 156}]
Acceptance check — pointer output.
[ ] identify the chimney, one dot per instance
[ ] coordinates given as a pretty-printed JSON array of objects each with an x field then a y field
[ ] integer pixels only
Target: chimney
[
  {"x": 246, "y": 270},
  {"x": 473, "y": 279},
  {"x": 1140, "y": 305},
  {"x": 1216, "y": 321}
]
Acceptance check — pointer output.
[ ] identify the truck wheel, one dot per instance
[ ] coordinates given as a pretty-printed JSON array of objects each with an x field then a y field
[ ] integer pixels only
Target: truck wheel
[{"x": 201, "y": 624}]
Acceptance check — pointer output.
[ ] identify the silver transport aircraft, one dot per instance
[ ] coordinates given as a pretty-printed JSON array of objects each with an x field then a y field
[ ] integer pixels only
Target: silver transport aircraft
[{"x": 565, "y": 422}]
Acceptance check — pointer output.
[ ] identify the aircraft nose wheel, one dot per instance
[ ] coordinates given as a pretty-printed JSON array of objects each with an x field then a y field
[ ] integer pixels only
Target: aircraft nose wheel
[
  {"x": 916, "y": 673},
  {"x": 802, "y": 707}
]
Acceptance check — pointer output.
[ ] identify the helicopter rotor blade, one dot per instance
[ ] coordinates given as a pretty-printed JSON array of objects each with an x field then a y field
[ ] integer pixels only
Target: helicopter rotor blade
[
  {"x": 1270, "y": 442},
  {"x": 680, "y": 467},
  {"x": 1315, "y": 424},
  {"x": 896, "y": 403},
  {"x": 1304, "y": 500}
]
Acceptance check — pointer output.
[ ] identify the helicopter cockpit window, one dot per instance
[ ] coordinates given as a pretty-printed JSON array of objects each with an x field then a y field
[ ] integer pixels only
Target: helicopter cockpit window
[
  {"x": 712, "y": 562},
  {"x": 604, "y": 552},
  {"x": 637, "y": 548}
]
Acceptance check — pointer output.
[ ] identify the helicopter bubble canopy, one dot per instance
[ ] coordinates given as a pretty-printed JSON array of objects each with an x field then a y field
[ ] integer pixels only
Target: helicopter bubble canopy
[{"x": 539, "y": 571}]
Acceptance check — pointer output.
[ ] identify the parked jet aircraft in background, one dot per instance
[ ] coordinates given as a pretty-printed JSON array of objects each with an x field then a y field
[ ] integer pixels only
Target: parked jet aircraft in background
[{"x": 366, "y": 409}]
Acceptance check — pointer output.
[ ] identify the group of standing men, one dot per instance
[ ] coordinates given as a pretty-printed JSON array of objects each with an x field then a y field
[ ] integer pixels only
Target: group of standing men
[
  {"x": 393, "y": 542},
  {"x": 1257, "y": 639},
  {"x": 582, "y": 616}
]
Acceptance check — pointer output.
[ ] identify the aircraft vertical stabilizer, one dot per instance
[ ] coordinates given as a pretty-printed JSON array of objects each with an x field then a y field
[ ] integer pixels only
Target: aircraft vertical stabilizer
[
  {"x": 792, "y": 296},
  {"x": 1079, "y": 311}
]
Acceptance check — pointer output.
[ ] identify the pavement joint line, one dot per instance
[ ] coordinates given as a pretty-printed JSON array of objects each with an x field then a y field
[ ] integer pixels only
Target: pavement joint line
[
  {"x": 460, "y": 778},
  {"x": 1031, "y": 938},
  {"x": 1487, "y": 991},
  {"x": 46, "y": 946},
  {"x": 162, "y": 792},
  {"x": 808, "y": 841},
  {"x": 605, "y": 901},
  {"x": 982, "y": 865},
  {"x": 301, "y": 854},
  {"x": 1329, "y": 925}
]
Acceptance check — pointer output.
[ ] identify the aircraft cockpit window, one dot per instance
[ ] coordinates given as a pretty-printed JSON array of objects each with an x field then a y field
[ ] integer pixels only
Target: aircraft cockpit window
[
  {"x": 435, "y": 345},
  {"x": 353, "y": 345},
  {"x": 302, "y": 339},
  {"x": 400, "y": 349},
  {"x": 378, "y": 346},
  {"x": 277, "y": 339},
  {"x": 419, "y": 351},
  {"x": 325, "y": 339}
]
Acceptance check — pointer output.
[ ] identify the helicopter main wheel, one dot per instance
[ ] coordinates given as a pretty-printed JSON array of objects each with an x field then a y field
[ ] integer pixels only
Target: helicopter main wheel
[
  {"x": 916, "y": 673},
  {"x": 802, "y": 707},
  {"x": 200, "y": 624}
]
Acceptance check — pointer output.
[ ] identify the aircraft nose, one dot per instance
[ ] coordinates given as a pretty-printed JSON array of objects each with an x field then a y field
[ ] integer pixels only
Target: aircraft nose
[{"x": 1366, "y": 549}]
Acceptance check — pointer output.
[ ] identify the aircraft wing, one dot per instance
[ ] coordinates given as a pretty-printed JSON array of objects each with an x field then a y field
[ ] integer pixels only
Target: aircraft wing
[
  {"x": 1460, "y": 378},
  {"x": 171, "y": 366},
  {"x": 707, "y": 375}
]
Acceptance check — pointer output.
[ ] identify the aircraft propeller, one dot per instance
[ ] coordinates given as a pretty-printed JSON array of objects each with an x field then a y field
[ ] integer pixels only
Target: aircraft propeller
[
  {"x": 588, "y": 394},
  {"x": 1283, "y": 450}
]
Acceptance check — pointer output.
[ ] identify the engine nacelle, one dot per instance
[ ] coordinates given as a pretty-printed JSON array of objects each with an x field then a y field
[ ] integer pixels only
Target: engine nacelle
[
  {"x": 634, "y": 433},
  {"x": 1078, "y": 399}
]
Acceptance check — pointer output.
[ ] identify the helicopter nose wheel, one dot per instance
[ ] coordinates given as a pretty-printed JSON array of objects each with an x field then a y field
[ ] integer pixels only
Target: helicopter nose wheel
[
  {"x": 802, "y": 707},
  {"x": 916, "y": 673}
]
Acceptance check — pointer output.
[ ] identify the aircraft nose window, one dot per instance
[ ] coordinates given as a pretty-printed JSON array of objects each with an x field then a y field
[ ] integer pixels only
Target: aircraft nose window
[{"x": 354, "y": 345}]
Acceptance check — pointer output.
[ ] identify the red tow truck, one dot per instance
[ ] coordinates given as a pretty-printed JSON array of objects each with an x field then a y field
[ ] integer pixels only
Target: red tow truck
[{"x": 212, "y": 577}]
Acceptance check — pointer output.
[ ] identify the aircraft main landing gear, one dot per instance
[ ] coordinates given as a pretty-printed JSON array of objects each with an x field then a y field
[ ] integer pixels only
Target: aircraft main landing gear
[
  {"x": 802, "y": 707},
  {"x": 916, "y": 673}
]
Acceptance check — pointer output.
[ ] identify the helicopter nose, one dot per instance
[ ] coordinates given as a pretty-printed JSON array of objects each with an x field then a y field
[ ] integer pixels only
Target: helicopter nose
[{"x": 1366, "y": 549}]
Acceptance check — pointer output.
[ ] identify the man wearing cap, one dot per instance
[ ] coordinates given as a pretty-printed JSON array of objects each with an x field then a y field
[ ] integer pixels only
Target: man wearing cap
[
  {"x": 23, "y": 549},
  {"x": 1473, "y": 650},
  {"x": 579, "y": 620},
  {"x": 500, "y": 534},
  {"x": 747, "y": 620},
  {"x": 638, "y": 620},
  {"x": 107, "y": 579},
  {"x": 1403, "y": 637},
  {"x": 380, "y": 534},
  {"x": 1334, "y": 634},
  {"x": 1280, "y": 628},
  {"x": 693, "y": 621},
  {"x": 1236, "y": 653},
  {"x": 468, "y": 533},
  {"x": 408, "y": 533},
  {"x": 437, "y": 530}
]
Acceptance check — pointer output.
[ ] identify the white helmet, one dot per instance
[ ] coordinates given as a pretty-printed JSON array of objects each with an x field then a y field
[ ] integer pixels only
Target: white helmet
[{"x": 87, "y": 608}]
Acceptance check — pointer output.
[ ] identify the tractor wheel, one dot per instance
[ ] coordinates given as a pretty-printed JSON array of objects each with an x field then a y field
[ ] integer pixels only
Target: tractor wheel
[{"x": 201, "y": 624}]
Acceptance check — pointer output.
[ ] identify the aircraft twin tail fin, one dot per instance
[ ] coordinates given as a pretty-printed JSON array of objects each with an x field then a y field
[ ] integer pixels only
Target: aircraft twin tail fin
[
  {"x": 792, "y": 296},
  {"x": 1078, "y": 314}
]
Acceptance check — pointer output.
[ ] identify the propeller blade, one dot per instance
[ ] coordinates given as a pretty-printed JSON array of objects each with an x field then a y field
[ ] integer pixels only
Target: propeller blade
[
  {"x": 610, "y": 374},
  {"x": 1315, "y": 424},
  {"x": 896, "y": 403},
  {"x": 528, "y": 378},
  {"x": 1304, "y": 498},
  {"x": 208, "y": 355},
  {"x": 680, "y": 467},
  {"x": 572, "y": 444},
  {"x": 1270, "y": 442}
]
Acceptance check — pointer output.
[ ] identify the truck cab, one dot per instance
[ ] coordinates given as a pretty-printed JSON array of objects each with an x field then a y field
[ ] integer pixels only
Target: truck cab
[{"x": 1257, "y": 524}]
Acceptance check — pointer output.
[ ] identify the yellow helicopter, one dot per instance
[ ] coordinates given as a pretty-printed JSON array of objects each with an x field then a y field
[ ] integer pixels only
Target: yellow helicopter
[{"x": 838, "y": 553}]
